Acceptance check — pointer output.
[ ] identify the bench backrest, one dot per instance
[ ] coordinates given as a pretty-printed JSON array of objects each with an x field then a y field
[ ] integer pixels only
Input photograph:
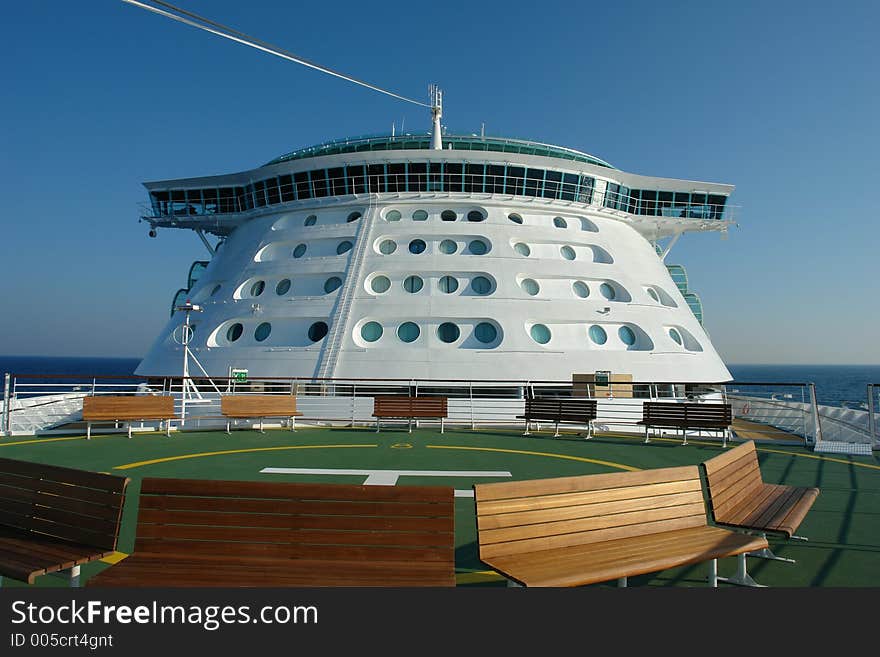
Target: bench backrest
[
  {"x": 526, "y": 516},
  {"x": 410, "y": 406},
  {"x": 296, "y": 520},
  {"x": 712, "y": 413},
  {"x": 63, "y": 503},
  {"x": 732, "y": 477},
  {"x": 258, "y": 405},
  {"x": 128, "y": 407},
  {"x": 566, "y": 408}
]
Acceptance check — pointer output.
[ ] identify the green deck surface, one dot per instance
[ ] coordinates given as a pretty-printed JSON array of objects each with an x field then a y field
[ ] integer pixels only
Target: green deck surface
[{"x": 844, "y": 536}]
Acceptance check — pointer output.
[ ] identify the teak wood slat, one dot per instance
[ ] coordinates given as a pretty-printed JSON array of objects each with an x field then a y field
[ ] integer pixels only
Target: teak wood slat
[
  {"x": 558, "y": 410},
  {"x": 235, "y": 533},
  {"x": 410, "y": 408},
  {"x": 126, "y": 408},
  {"x": 687, "y": 415},
  {"x": 571, "y": 531},
  {"x": 259, "y": 406},
  {"x": 54, "y": 518}
]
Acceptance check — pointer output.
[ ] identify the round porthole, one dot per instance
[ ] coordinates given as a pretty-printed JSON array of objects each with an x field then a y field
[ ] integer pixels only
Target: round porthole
[
  {"x": 448, "y": 215},
  {"x": 408, "y": 332},
  {"x": 344, "y": 247},
  {"x": 627, "y": 335},
  {"x": 475, "y": 215},
  {"x": 317, "y": 331},
  {"x": 393, "y": 215},
  {"x": 607, "y": 291},
  {"x": 675, "y": 335},
  {"x": 522, "y": 249},
  {"x": 387, "y": 247},
  {"x": 332, "y": 284},
  {"x": 354, "y": 216},
  {"x": 567, "y": 252},
  {"x": 581, "y": 289},
  {"x": 234, "y": 332},
  {"x": 380, "y": 284},
  {"x": 653, "y": 294},
  {"x": 371, "y": 331},
  {"x": 559, "y": 222},
  {"x": 530, "y": 286},
  {"x": 413, "y": 284},
  {"x": 540, "y": 333},
  {"x": 485, "y": 332},
  {"x": 420, "y": 215},
  {"x": 257, "y": 288},
  {"x": 598, "y": 335},
  {"x": 448, "y": 284},
  {"x": 299, "y": 251},
  {"x": 481, "y": 285},
  {"x": 283, "y": 286},
  {"x": 417, "y": 246},
  {"x": 448, "y": 332},
  {"x": 262, "y": 332},
  {"x": 478, "y": 247},
  {"x": 448, "y": 247},
  {"x": 515, "y": 218},
  {"x": 311, "y": 220}
]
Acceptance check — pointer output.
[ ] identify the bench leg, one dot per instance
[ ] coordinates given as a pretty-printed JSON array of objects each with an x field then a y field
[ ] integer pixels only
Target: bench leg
[
  {"x": 684, "y": 436},
  {"x": 167, "y": 428},
  {"x": 526, "y": 432},
  {"x": 647, "y": 437},
  {"x": 621, "y": 582},
  {"x": 556, "y": 435},
  {"x": 292, "y": 423},
  {"x": 88, "y": 430},
  {"x": 410, "y": 425},
  {"x": 377, "y": 425},
  {"x": 441, "y": 425},
  {"x": 228, "y": 427},
  {"x": 74, "y": 577},
  {"x": 129, "y": 429},
  {"x": 767, "y": 553},
  {"x": 742, "y": 577},
  {"x": 511, "y": 584},
  {"x": 589, "y": 430},
  {"x": 713, "y": 573}
]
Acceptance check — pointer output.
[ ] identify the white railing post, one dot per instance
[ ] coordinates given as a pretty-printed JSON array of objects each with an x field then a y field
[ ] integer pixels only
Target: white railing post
[
  {"x": 4, "y": 425},
  {"x": 817, "y": 426},
  {"x": 471, "y": 390},
  {"x": 871, "y": 422},
  {"x": 353, "y": 399}
]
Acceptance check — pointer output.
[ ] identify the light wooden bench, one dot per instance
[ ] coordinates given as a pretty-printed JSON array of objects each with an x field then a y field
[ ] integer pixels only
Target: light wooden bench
[
  {"x": 560, "y": 409},
  {"x": 55, "y": 519},
  {"x": 687, "y": 415},
  {"x": 128, "y": 408},
  {"x": 740, "y": 499},
  {"x": 258, "y": 534},
  {"x": 410, "y": 408},
  {"x": 259, "y": 406},
  {"x": 572, "y": 531}
]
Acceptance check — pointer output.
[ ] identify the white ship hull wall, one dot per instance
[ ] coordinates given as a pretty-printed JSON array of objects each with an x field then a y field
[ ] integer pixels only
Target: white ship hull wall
[{"x": 606, "y": 250}]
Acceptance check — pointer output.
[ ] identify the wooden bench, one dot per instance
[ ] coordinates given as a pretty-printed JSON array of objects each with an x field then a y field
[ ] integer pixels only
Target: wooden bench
[
  {"x": 259, "y": 406},
  {"x": 255, "y": 534},
  {"x": 410, "y": 408},
  {"x": 740, "y": 499},
  {"x": 127, "y": 408},
  {"x": 55, "y": 519},
  {"x": 572, "y": 531},
  {"x": 687, "y": 415},
  {"x": 560, "y": 409}
]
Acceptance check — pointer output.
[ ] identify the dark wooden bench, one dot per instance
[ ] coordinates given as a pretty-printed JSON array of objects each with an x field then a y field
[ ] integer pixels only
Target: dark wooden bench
[
  {"x": 256, "y": 534},
  {"x": 55, "y": 519},
  {"x": 572, "y": 531},
  {"x": 128, "y": 408},
  {"x": 410, "y": 408},
  {"x": 740, "y": 499},
  {"x": 259, "y": 406},
  {"x": 560, "y": 409},
  {"x": 687, "y": 415}
]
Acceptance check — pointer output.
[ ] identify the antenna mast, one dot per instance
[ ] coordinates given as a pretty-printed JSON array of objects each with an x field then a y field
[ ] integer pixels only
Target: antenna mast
[{"x": 436, "y": 96}]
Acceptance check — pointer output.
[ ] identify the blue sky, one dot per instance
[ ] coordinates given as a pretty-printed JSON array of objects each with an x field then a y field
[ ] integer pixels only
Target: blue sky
[{"x": 779, "y": 99}]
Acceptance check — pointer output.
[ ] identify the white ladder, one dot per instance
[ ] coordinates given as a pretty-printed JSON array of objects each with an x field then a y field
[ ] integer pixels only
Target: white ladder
[{"x": 354, "y": 274}]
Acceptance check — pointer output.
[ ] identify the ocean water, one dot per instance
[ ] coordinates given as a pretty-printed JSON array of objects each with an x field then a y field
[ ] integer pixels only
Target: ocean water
[{"x": 836, "y": 385}]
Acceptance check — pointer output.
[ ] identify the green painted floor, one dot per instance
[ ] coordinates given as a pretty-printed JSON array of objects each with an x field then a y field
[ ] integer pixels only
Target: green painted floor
[{"x": 843, "y": 529}]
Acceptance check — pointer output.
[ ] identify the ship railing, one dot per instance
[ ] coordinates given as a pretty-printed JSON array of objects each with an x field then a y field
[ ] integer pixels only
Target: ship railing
[
  {"x": 780, "y": 412},
  {"x": 196, "y": 205}
]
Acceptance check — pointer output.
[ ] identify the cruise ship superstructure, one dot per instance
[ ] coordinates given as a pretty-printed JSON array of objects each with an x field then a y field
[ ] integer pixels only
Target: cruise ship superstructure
[{"x": 487, "y": 258}]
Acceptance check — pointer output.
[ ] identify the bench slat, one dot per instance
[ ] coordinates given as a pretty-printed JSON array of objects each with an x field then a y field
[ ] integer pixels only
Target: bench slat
[
  {"x": 259, "y": 406},
  {"x": 119, "y": 407},
  {"x": 312, "y": 507}
]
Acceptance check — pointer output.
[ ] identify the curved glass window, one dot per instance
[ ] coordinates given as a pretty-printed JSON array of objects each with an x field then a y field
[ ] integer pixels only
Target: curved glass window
[
  {"x": 653, "y": 294},
  {"x": 559, "y": 222},
  {"x": 627, "y": 335},
  {"x": 299, "y": 251},
  {"x": 380, "y": 284},
  {"x": 475, "y": 215},
  {"x": 354, "y": 216},
  {"x": 283, "y": 286},
  {"x": 448, "y": 215},
  {"x": 257, "y": 288},
  {"x": 530, "y": 286},
  {"x": 478, "y": 247},
  {"x": 598, "y": 335},
  {"x": 581, "y": 289},
  {"x": 448, "y": 332},
  {"x": 485, "y": 332},
  {"x": 263, "y": 331},
  {"x": 420, "y": 215},
  {"x": 481, "y": 285},
  {"x": 393, "y": 215},
  {"x": 522, "y": 249},
  {"x": 413, "y": 284},
  {"x": 567, "y": 252},
  {"x": 332, "y": 284},
  {"x": 607, "y": 291},
  {"x": 408, "y": 332},
  {"x": 448, "y": 284},
  {"x": 540, "y": 333},
  {"x": 234, "y": 332},
  {"x": 675, "y": 335},
  {"x": 448, "y": 246},
  {"x": 344, "y": 247},
  {"x": 515, "y": 218},
  {"x": 387, "y": 247},
  {"x": 371, "y": 331},
  {"x": 311, "y": 220},
  {"x": 417, "y": 246},
  {"x": 216, "y": 290},
  {"x": 317, "y": 331}
]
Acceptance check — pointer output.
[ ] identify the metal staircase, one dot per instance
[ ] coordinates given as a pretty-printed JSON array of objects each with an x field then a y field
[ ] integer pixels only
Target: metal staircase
[{"x": 354, "y": 275}]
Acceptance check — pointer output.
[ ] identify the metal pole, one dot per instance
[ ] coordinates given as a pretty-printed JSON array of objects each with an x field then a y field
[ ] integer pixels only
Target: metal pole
[
  {"x": 871, "y": 422},
  {"x": 471, "y": 388},
  {"x": 5, "y": 423},
  {"x": 817, "y": 434}
]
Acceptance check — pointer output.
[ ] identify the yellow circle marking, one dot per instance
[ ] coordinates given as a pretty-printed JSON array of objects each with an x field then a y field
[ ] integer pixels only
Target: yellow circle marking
[
  {"x": 401, "y": 446},
  {"x": 129, "y": 466},
  {"x": 40, "y": 440},
  {"x": 610, "y": 464}
]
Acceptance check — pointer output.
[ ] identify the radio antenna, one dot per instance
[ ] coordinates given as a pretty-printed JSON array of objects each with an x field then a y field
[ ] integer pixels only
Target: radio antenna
[{"x": 202, "y": 23}]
